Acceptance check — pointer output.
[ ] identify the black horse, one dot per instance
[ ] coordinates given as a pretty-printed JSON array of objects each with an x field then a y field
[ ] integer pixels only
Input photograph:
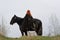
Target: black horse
[
  {"x": 31, "y": 26},
  {"x": 28, "y": 24}
]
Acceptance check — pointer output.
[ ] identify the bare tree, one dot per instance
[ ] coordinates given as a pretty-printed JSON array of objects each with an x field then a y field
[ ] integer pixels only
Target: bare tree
[
  {"x": 54, "y": 24},
  {"x": 3, "y": 27}
]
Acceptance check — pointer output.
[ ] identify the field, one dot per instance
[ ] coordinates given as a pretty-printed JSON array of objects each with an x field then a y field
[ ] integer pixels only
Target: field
[{"x": 31, "y": 38}]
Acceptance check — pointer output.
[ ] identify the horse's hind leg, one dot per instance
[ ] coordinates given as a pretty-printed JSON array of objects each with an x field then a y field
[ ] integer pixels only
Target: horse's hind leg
[
  {"x": 26, "y": 33},
  {"x": 22, "y": 33},
  {"x": 36, "y": 32}
]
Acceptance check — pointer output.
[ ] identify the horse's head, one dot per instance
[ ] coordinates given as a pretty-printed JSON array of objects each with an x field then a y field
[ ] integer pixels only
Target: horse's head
[{"x": 13, "y": 20}]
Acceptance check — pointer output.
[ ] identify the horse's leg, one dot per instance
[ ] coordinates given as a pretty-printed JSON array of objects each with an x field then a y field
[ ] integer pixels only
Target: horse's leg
[
  {"x": 26, "y": 33},
  {"x": 36, "y": 32},
  {"x": 22, "y": 33}
]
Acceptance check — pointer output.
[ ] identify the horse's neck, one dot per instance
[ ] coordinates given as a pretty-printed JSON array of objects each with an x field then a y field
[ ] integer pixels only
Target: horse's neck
[{"x": 19, "y": 21}]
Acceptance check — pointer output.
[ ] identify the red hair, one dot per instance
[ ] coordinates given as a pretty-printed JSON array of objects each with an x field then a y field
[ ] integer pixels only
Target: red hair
[{"x": 28, "y": 12}]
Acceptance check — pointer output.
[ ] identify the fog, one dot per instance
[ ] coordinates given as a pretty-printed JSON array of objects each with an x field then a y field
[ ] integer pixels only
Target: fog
[{"x": 48, "y": 11}]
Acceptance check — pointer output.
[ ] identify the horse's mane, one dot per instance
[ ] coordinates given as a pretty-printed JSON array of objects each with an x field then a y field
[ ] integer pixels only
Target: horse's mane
[{"x": 19, "y": 20}]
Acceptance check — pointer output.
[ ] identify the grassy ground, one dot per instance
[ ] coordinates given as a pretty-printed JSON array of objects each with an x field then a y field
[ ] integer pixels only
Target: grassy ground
[{"x": 31, "y": 38}]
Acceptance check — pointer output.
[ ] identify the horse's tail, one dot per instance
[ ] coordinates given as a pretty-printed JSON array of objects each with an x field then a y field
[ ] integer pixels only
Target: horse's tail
[{"x": 39, "y": 27}]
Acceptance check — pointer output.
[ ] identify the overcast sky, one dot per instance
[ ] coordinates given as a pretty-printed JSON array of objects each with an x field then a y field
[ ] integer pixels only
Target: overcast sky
[{"x": 41, "y": 9}]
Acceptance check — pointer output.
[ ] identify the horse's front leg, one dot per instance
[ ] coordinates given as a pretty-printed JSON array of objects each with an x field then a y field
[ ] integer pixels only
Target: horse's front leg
[
  {"x": 22, "y": 33},
  {"x": 26, "y": 33}
]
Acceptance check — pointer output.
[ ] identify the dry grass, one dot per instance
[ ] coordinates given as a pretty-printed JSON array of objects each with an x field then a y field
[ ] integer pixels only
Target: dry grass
[{"x": 31, "y": 38}]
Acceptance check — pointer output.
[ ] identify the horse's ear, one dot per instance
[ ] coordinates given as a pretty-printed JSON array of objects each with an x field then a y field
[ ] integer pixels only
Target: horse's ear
[{"x": 14, "y": 15}]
